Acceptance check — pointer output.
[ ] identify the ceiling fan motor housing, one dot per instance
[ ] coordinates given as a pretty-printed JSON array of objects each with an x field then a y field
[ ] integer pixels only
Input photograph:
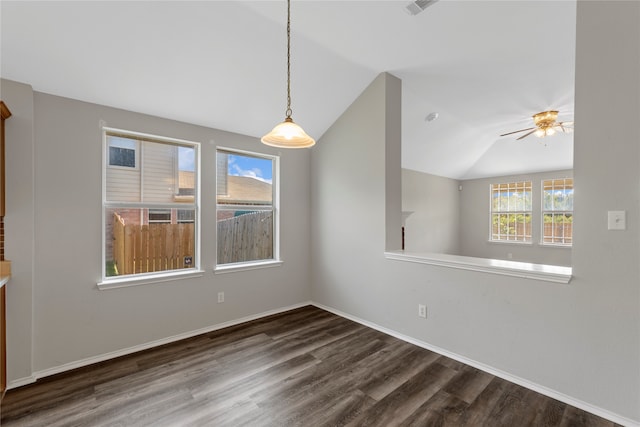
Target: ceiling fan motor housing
[{"x": 545, "y": 119}]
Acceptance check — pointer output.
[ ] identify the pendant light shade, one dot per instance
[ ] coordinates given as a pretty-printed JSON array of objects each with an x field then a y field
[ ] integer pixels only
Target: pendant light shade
[{"x": 288, "y": 134}]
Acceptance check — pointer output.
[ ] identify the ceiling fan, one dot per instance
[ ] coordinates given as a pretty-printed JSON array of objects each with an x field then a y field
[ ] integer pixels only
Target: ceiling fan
[{"x": 546, "y": 125}]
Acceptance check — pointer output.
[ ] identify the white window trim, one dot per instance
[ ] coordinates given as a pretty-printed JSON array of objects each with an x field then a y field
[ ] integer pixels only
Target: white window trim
[
  {"x": 149, "y": 278},
  {"x": 275, "y": 203},
  {"x": 491, "y": 213},
  {"x": 146, "y": 278},
  {"x": 248, "y": 265},
  {"x": 511, "y": 242},
  {"x": 542, "y": 212}
]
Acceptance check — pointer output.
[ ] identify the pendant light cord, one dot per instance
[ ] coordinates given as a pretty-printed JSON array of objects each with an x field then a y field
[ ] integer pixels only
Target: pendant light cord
[{"x": 288, "y": 112}]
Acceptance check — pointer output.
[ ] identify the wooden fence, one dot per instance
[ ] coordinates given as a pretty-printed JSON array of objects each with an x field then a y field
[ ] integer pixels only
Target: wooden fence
[
  {"x": 153, "y": 247},
  {"x": 558, "y": 233},
  {"x": 247, "y": 237}
]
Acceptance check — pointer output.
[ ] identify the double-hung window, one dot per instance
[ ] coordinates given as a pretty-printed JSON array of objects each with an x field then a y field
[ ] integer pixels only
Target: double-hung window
[
  {"x": 150, "y": 205},
  {"x": 511, "y": 212},
  {"x": 557, "y": 211},
  {"x": 246, "y": 207}
]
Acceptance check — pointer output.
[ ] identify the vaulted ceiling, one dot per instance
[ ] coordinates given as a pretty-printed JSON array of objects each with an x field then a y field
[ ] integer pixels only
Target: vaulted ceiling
[{"x": 484, "y": 66}]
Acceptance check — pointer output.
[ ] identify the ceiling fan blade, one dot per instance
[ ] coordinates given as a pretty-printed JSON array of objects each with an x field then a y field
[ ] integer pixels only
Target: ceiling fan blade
[
  {"x": 527, "y": 134},
  {"x": 517, "y": 131},
  {"x": 566, "y": 127}
]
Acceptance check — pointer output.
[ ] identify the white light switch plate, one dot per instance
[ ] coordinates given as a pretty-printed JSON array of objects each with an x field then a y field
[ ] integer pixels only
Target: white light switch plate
[{"x": 617, "y": 220}]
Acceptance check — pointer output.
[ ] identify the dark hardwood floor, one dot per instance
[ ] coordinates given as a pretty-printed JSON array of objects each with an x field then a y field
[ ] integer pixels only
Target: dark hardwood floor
[{"x": 305, "y": 367}]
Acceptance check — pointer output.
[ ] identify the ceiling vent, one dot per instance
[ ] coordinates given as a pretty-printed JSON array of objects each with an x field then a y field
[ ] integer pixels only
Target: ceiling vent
[{"x": 415, "y": 7}]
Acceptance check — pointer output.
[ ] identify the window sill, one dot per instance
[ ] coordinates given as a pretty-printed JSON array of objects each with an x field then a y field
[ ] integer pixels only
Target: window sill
[
  {"x": 510, "y": 242},
  {"x": 547, "y": 273},
  {"x": 241, "y": 266},
  {"x": 148, "y": 279},
  {"x": 555, "y": 245}
]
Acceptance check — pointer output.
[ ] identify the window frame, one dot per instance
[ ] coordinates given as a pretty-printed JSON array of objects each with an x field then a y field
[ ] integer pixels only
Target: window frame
[
  {"x": 554, "y": 212},
  {"x": 109, "y": 282},
  {"x": 275, "y": 208},
  {"x": 510, "y": 212}
]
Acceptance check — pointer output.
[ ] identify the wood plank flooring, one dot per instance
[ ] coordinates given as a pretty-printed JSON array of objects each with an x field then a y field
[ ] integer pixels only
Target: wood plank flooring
[{"x": 305, "y": 367}]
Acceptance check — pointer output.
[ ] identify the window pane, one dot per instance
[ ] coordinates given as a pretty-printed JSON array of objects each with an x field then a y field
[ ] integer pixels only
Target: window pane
[
  {"x": 558, "y": 228},
  {"x": 167, "y": 174},
  {"x": 244, "y": 179},
  {"x": 558, "y": 195},
  {"x": 244, "y": 235},
  {"x": 511, "y": 197},
  {"x": 135, "y": 244},
  {"x": 245, "y": 211}
]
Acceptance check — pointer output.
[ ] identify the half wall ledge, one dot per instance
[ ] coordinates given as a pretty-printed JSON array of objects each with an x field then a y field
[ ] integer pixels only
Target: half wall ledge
[{"x": 525, "y": 270}]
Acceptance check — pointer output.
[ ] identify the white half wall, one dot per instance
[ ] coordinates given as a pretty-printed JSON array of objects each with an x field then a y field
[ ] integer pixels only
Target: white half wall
[{"x": 580, "y": 340}]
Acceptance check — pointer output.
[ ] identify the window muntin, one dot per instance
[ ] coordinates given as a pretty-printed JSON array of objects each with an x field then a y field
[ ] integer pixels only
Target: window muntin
[
  {"x": 246, "y": 207},
  {"x": 142, "y": 207},
  {"x": 557, "y": 211},
  {"x": 511, "y": 212}
]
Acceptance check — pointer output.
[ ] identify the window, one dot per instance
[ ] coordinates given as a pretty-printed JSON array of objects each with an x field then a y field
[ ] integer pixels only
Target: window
[
  {"x": 159, "y": 216},
  {"x": 511, "y": 212},
  {"x": 557, "y": 211},
  {"x": 246, "y": 207},
  {"x": 122, "y": 152},
  {"x": 150, "y": 204},
  {"x": 186, "y": 216}
]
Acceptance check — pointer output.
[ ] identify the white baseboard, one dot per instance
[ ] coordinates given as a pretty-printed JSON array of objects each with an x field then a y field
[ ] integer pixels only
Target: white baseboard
[
  {"x": 123, "y": 352},
  {"x": 21, "y": 381},
  {"x": 496, "y": 372}
]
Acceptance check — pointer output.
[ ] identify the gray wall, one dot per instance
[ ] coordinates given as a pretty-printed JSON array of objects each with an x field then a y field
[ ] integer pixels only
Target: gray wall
[
  {"x": 434, "y": 225},
  {"x": 580, "y": 340},
  {"x": 474, "y": 223},
  {"x": 57, "y": 316},
  {"x": 19, "y": 224}
]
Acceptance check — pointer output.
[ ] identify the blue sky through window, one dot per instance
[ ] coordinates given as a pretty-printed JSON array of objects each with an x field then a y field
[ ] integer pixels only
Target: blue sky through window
[
  {"x": 254, "y": 167},
  {"x": 186, "y": 158}
]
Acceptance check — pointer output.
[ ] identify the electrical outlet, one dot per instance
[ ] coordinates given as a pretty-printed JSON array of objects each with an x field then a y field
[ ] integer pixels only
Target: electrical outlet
[
  {"x": 220, "y": 297},
  {"x": 422, "y": 311}
]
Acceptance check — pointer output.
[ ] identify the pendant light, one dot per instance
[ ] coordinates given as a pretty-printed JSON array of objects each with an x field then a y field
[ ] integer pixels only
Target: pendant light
[{"x": 288, "y": 134}]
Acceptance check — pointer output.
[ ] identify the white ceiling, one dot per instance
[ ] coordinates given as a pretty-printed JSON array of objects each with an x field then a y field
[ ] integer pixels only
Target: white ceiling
[{"x": 484, "y": 66}]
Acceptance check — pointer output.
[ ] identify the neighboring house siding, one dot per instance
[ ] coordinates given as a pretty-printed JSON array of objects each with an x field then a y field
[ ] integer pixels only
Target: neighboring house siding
[
  {"x": 123, "y": 184},
  {"x": 245, "y": 190},
  {"x": 160, "y": 172}
]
